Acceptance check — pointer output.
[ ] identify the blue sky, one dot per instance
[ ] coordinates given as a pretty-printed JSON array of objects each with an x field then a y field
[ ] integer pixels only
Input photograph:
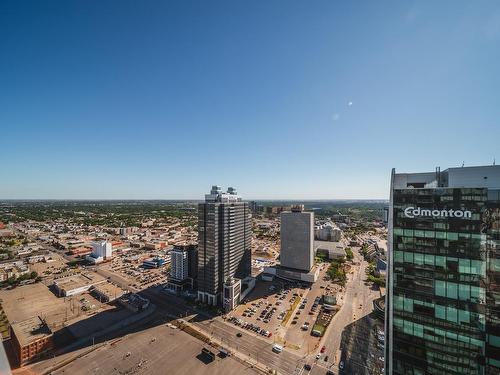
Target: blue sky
[{"x": 282, "y": 99}]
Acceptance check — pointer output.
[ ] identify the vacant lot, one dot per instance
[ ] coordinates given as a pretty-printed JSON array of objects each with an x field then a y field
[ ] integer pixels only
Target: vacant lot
[{"x": 158, "y": 350}]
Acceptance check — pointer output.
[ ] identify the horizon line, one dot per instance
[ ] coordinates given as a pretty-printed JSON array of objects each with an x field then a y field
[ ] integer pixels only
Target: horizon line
[{"x": 191, "y": 199}]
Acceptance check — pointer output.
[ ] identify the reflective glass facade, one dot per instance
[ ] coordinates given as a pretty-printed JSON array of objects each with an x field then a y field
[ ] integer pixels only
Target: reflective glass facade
[{"x": 446, "y": 282}]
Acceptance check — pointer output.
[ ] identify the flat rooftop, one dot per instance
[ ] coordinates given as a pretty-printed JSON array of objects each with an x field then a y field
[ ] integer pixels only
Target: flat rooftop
[
  {"x": 30, "y": 330},
  {"x": 487, "y": 176},
  {"x": 109, "y": 290},
  {"x": 79, "y": 280},
  {"x": 335, "y": 247},
  {"x": 25, "y": 302}
]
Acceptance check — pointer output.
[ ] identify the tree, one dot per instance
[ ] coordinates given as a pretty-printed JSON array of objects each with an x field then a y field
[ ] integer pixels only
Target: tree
[{"x": 349, "y": 254}]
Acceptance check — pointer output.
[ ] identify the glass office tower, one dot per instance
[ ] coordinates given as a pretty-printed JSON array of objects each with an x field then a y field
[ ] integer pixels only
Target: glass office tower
[{"x": 443, "y": 298}]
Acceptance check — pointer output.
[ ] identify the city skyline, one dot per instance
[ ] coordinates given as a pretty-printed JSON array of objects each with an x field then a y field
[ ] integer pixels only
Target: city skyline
[{"x": 115, "y": 101}]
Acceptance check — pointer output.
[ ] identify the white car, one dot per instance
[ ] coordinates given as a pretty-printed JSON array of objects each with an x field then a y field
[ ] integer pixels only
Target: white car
[{"x": 318, "y": 356}]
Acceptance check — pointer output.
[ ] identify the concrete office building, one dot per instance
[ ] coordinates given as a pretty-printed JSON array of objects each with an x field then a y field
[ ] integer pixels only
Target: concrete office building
[
  {"x": 183, "y": 267},
  {"x": 297, "y": 248},
  {"x": 297, "y": 239},
  {"x": 443, "y": 295},
  {"x": 224, "y": 243}
]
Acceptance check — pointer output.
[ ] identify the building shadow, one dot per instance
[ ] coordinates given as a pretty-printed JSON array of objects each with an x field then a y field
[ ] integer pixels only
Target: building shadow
[
  {"x": 361, "y": 348},
  {"x": 167, "y": 308}
]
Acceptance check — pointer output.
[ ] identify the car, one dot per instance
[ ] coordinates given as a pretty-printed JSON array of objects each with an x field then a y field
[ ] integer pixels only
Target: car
[
  {"x": 330, "y": 372},
  {"x": 239, "y": 334},
  {"x": 318, "y": 356},
  {"x": 326, "y": 359},
  {"x": 277, "y": 348},
  {"x": 341, "y": 365},
  {"x": 323, "y": 349},
  {"x": 307, "y": 367}
]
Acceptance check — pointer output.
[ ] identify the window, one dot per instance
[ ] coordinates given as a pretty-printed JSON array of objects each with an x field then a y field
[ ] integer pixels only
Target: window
[
  {"x": 440, "y": 312},
  {"x": 429, "y": 234},
  {"x": 440, "y": 261},
  {"x": 464, "y": 266},
  {"x": 440, "y": 288},
  {"x": 478, "y": 267},
  {"x": 477, "y": 294},
  {"x": 451, "y": 290},
  {"x": 494, "y": 340},
  {"x": 419, "y": 233},
  {"x": 429, "y": 259},
  {"x": 451, "y": 314},
  {"x": 408, "y": 304},
  {"x": 441, "y": 235},
  {"x": 463, "y": 316},
  {"x": 464, "y": 292},
  {"x": 419, "y": 259}
]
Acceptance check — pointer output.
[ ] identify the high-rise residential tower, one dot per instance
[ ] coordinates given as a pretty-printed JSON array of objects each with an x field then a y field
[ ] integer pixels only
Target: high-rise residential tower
[
  {"x": 443, "y": 295},
  {"x": 183, "y": 266},
  {"x": 224, "y": 247}
]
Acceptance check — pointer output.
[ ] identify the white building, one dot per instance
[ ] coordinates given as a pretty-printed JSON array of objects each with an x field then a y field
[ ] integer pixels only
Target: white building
[
  {"x": 328, "y": 232},
  {"x": 101, "y": 250}
]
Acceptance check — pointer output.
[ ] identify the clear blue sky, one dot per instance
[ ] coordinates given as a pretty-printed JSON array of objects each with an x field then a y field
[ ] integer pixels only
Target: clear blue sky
[{"x": 282, "y": 99}]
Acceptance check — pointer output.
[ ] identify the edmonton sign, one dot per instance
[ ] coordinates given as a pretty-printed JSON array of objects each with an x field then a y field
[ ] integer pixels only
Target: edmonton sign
[{"x": 412, "y": 212}]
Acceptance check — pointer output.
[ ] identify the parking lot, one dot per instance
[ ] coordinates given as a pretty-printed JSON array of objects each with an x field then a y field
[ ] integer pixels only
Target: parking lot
[
  {"x": 284, "y": 312},
  {"x": 135, "y": 274}
]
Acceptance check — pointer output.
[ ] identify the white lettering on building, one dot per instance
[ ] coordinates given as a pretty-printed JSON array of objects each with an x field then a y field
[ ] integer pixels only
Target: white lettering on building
[{"x": 412, "y": 212}]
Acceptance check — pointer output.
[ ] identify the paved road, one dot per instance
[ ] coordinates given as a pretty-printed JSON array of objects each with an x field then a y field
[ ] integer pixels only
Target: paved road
[
  {"x": 357, "y": 293},
  {"x": 255, "y": 347}
]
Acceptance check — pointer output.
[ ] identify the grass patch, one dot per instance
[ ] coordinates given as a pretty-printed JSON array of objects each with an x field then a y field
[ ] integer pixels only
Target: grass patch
[
  {"x": 320, "y": 328},
  {"x": 290, "y": 311},
  {"x": 349, "y": 254}
]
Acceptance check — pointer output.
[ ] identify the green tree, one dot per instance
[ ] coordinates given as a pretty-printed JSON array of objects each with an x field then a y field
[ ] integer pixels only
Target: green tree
[{"x": 349, "y": 254}]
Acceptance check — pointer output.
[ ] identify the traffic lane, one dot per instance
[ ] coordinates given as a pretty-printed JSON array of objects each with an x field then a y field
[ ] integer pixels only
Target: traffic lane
[
  {"x": 256, "y": 347},
  {"x": 261, "y": 348},
  {"x": 344, "y": 316}
]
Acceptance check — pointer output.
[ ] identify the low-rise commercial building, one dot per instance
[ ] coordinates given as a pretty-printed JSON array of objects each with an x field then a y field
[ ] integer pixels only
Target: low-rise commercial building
[
  {"x": 134, "y": 302},
  {"x": 153, "y": 263},
  {"x": 79, "y": 283},
  {"x": 30, "y": 339},
  {"x": 333, "y": 250},
  {"x": 107, "y": 292}
]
